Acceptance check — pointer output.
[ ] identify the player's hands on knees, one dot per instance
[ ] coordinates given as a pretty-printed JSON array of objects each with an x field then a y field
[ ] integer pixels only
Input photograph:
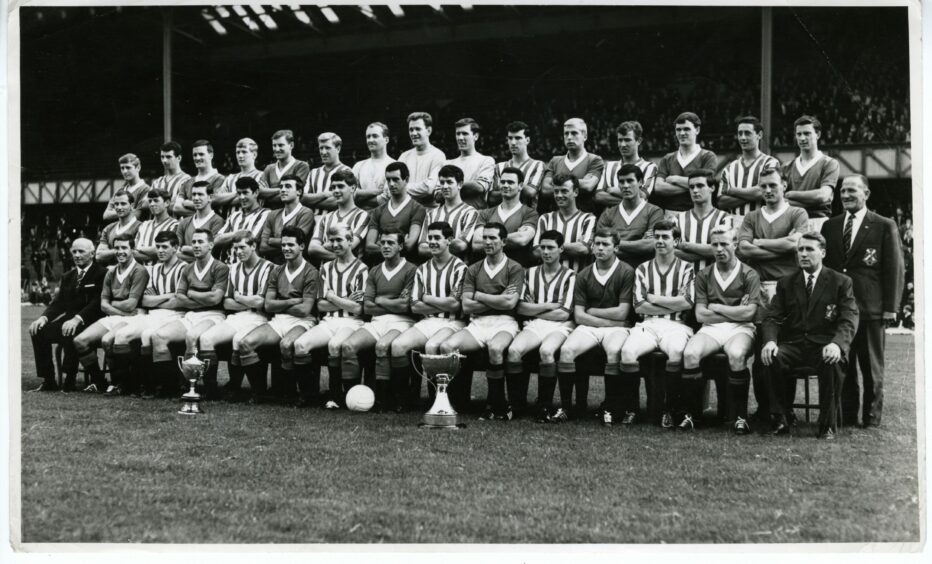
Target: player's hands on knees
[
  {"x": 769, "y": 352},
  {"x": 37, "y": 325},
  {"x": 831, "y": 353}
]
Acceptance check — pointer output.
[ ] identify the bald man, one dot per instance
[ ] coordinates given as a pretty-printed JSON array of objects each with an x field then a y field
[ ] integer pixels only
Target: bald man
[{"x": 75, "y": 307}]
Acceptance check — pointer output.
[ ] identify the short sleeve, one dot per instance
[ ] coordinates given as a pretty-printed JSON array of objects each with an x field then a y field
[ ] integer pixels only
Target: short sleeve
[
  {"x": 272, "y": 287},
  {"x": 709, "y": 160},
  {"x": 640, "y": 285},
  {"x": 469, "y": 281},
  {"x": 829, "y": 173},
  {"x": 746, "y": 232},
  {"x": 516, "y": 276},
  {"x": 663, "y": 169},
  {"x": 752, "y": 286},
  {"x": 596, "y": 166},
  {"x": 702, "y": 296},
  {"x": 310, "y": 283},
  {"x": 374, "y": 218},
  {"x": 579, "y": 291},
  {"x": 105, "y": 292},
  {"x": 627, "y": 286},
  {"x": 182, "y": 286},
  {"x": 221, "y": 276},
  {"x": 417, "y": 217},
  {"x": 800, "y": 220},
  {"x": 530, "y": 217},
  {"x": 140, "y": 282},
  {"x": 370, "y": 283},
  {"x": 417, "y": 284}
]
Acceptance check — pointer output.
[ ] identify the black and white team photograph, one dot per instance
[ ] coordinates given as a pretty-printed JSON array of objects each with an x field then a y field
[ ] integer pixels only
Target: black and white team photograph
[{"x": 425, "y": 278}]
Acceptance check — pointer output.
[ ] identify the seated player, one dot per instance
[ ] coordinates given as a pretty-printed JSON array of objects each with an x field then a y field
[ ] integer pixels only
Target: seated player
[
  {"x": 159, "y": 301},
  {"x": 547, "y": 302},
  {"x": 491, "y": 289},
  {"x": 126, "y": 224},
  {"x": 200, "y": 294},
  {"x": 602, "y": 304},
  {"x": 519, "y": 220},
  {"x": 451, "y": 210},
  {"x": 146, "y": 251},
  {"x": 633, "y": 219},
  {"x": 341, "y": 289},
  {"x": 244, "y": 304},
  {"x": 120, "y": 299},
  {"x": 204, "y": 217},
  {"x": 291, "y": 213},
  {"x": 250, "y": 216},
  {"x": 727, "y": 295},
  {"x": 342, "y": 188},
  {"x": 575, "y": 226},
  {"x": 387, "y": 300},
  {"x": 400, "y": 212},
  {"x": 663, "y": 293},
  {"x": 289, "y": 297},
  {"x": 435, "y": 294}
]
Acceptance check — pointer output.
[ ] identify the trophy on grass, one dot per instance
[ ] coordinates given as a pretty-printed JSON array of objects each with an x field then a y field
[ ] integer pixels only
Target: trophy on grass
[
  {"x": 192, "y": 370},
  {"x": 439, "y": 370}
]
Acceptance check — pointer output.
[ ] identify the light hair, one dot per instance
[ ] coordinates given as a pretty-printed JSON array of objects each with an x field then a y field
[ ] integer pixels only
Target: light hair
[
  {"x": 339, "y": 228},
  {"x": 132, "y": 159},
  {"x": 725, "y": 229},
  {"x": 332, "y": 137},
  {"x": 577, "y": 122},
  {"x": 249, "y": 145}
]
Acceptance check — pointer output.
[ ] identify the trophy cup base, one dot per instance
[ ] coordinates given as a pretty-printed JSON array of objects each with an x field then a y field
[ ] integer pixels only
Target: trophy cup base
[
  {"x": 441, "y": 421},
  {"x": 190, "y": 409}
]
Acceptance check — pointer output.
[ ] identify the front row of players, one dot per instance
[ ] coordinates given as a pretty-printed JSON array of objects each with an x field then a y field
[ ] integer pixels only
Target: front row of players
[{"x": 207, "y": 304}]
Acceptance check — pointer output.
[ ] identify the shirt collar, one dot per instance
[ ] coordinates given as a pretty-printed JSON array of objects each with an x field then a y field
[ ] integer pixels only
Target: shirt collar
[
  {"x": 859, "y": 215},
  {"x": 814, "y": 275}
]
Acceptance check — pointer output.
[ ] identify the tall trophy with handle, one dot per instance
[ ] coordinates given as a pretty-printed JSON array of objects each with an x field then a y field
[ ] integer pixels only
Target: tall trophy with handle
[
  {"x": 193, "y": 370},
  {"x": 439, "y": 370}
]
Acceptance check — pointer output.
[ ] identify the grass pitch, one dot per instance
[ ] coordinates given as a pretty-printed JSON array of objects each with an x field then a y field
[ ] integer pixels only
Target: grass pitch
[{"x": 124, "y": 470}]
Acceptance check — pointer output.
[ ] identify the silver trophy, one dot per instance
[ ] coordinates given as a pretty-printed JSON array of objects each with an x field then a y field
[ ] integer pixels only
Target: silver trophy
[
  {"x": 439, "y": 370},
  {"x": 193, "y": 370}
]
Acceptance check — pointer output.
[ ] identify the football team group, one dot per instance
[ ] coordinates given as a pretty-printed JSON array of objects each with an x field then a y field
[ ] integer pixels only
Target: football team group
[{"x": 676, "y": 272}]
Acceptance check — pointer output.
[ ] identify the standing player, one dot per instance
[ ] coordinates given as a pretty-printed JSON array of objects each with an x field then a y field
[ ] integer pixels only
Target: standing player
[
  {"x": 290, "y": 297},
  {"x": 436, "y": 294},
  {"x": 740, "y": 189},
  {"x": 317, "y": 194},
  {"x": 285, "y": 163},
  {"x": 811, "y": 177},
  {"x": 547, "y": 302},
  {"x": 422, "y": 159},
  {"x": 342, "y": 188},
  {"x": 293, "y": 213},
  {"x": 250, "y": 216},
  {"x": 575, "y": 226},
  {"x": 478, "y": 169},
  {"x": 199, "y": 293},
  {"x": 162, "y": 308},
  {"x": 671, "y": 190},
  {"x": 132, "y": 183},
  {"x": 727, "y": 296},
  {"x": 174, "y": 177},
  {"x": 120, "y": 299},
  {"x": 146, "y": 250},
  {"x": 387, "y": 300},
  {"x": 341, "y": 289},
  {"x": 204, "y": 218},
  {"x": 126, "y": 224},
  {"x": 203, "y": 155},
  {"x": 585, "y": 166},
  {"x": 663, "y": 293},
  {"x": 633, "y": 219},
  {"x": 519, "y": 220},
  {"x": 628, "y": 135},
  {"x": 244, "y": 303},
  {"x": 697, "y": 223},
  {"x": 246, "y": 152},
  {"x": 491, "y": 289},
  {"x": 371, "y": 172},
  {"x": 461, "y": 216},
  {"x": 400, "y": 212},
  {"x": 602, "y": 304},
  {"x": 518, "y": 140}
]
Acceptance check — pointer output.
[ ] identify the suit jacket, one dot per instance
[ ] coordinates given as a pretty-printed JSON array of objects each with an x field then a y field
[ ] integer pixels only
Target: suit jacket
[
  {"x": 72, "y": 300},
  {"x": 874, "y": 262},
  {"x": 830, "y": 315}
]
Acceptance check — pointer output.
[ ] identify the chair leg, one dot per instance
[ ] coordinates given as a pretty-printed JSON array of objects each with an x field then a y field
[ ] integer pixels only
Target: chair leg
[{"x": 807, "y": 398}]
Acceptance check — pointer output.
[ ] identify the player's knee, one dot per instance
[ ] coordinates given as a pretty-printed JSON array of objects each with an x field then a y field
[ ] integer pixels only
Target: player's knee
[
  {"x": 514, "y": 354},
  {"x": 446, "y": 346},
  {"x": 433, "y": 348},
  {"x": 692, "y": 357},
  {"x": 398, "y": 349},
  {"x": 547, "y": 354},
  {"x": 568, "y": 354},
  {"x": 629, "y": 355},
  {"x": 496, "y": 355},
  {"x": 301, "y": 348},
  {"x": 737, "y": 357},
  {"x": 347, "y": 349},
  {"x": 383, "y": 349}
]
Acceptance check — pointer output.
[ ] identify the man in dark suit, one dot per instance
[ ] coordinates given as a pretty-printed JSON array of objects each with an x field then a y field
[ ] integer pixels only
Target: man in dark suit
[
  {"x": 811, "y": 322},
  {"x": 866, "y": 247},
  {"x": 75, "y": 307}
]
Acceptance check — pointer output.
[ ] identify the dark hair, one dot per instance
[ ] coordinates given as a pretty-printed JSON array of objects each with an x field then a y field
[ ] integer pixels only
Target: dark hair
[
  {"x": 206, "y": 186},
  {"x": 516, "y": 126},
  {"x": 172, "y": 147},
  {"x": 603, "y": 232},
  {"x": 552, "y": 235},
  {"x": 296, "y": 232},
  {"x": 381, "y": 126},
  {"x": 158, "y": 193},
  {"x": 203, "y": 143},
  {"x": 293, "y": 178},
  {"x": 631, "y": 126},
  {"x": 451, "y": 171},
  {"x": 808, "y": 120},
  {"x": 399, "y": 234},
  {"x": 767, "y": 170},
  {"x": 814, "y": 236},
  {"x": 563, "y": 178},
  {"x": 502, "y": 231},
  {"x": 443, "y": 227},
  {"x": 248, "y": 183},
  {"x": 129, "y": 195},
  {"x": 706, "y": 173},
  {"x": 473, "y": 125},
  {"x": 414, "y": 116},
  {"x": 513, "y": 170},
  {"x": 245, "y": 235},
  {"x": 400, "y": 167},
  {"x": 344, "y": 175},
  {"x": 208, "y": 232},
  {"x": 630, "y": 169},
  {"x": 167, "y": 237},
  {"x": 668, "y": 225},
  {"x": 758, "y": 126},
  {"x": 690, "y": 117},
  {"x": 286, "y": 133},
  {"x": 126, "y": 237}
]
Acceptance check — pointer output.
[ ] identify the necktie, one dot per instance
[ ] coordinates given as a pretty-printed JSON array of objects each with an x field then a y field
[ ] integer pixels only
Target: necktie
[
  {"x": 849, "y": 227},
  {"x": 80, "y": 277},
  {"x": 809, "y": 282}
]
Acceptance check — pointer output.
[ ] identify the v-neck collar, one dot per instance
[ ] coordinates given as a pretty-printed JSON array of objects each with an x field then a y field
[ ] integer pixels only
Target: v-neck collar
[
  {"x": 725, "y": 282},
  {"x": 492, "y": 271},
  {"x": 389, "y": 274},
  {"x": 603, "y": 278}
]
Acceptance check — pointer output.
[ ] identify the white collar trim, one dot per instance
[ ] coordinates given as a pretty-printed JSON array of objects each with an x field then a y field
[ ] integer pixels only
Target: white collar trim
[
  {"x": 389, "y": 274},
  {"x": 770, "y": 218},
  {"x": 603, "y": 278},
  {"x": 396, "y": 211},
  {"x": 201, "y": 273},
  {"x": 803, "y": 169},
  {"x": 725, "y": 282},
  {"x": 634, "y": 213},
  {"x": 493, "y": 271}
]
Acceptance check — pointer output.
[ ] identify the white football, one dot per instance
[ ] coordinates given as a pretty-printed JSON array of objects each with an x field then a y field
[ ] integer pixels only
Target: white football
[{"x": 360, "y": 398}]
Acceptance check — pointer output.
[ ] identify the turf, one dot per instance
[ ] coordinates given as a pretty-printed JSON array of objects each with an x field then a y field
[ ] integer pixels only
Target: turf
[{"x": 98, "y": 469}]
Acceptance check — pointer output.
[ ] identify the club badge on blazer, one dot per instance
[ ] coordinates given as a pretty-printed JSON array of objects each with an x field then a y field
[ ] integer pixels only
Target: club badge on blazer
[
  {"x": 831, "y": 312},
  {"x": 870, "y": 257}
]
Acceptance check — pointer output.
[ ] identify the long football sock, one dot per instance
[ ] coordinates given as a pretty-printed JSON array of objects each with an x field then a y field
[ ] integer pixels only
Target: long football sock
[
  {"x": 546, "y": 385},
  {"x": 614, "y": 390},
  {"x": 566, "y": 377},
  {"x": 691, "y": 384},
  {"x": 582, "y": 392},
  {"x": 496, "y": 378},
  {"x": 335, "y": 379},
  {"x": 739, "y": 383}
]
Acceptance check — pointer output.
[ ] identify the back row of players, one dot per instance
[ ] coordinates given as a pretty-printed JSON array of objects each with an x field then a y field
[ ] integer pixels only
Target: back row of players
[{"x": 418, "y": 211}]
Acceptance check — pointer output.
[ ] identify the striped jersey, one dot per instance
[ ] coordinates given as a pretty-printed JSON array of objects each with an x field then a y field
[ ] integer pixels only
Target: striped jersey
[
  {"x": 737, "y": 174},
  {"x": 389, "y": 283},
  {"x": 145, "y": 236},
  {"x": 140, "y": 192},
  {"x": 130, "y": 283},
  {"x": 229, "y": 183},
  {"x": 253, "y": 222},
  {"x": 171, "y": 184},
  {"x": 441, "y": 282},
  {"x": 185, "y": 228},
  {"x": 676, "y": 280},
  {"x": 214, "y": 276},
  {"x": 318, "y": 182},
  {"x": 215, "y": 181},
  {"x": 163, "y": 279},
  {"x": 488, "y": 279},
  {"x": 343, "y": 281},
  {"x": 357, "y": 219},
  {"x": 558, "y": 290},
  {"x": 579, "y": 228},
  {"x": 533, "y": 170},
  {"x": 698, "y": 230},
  {"x": 609, "y": 179},
  {"x": 610, "y": 288},
  {"x": 462, "y": 219},
  {"x": 249, "y": 282},
  {"x": 741, "y": 286},
  {"x": 272, "y": 175},
  {"x": 285, "y": 284},
  {"x": 111, "y": 230}
]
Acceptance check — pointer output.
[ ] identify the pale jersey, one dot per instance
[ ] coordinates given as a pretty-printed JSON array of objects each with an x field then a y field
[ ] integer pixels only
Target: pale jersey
[
  {"x": 609, "y": 180},
  {"x": 440, "y": 282},
  {"x": 533, "y": 170},
  {"x": 461, "y": 218},
  {"x": 163, "y": 279},
  {"x": 578, "y": 228},
  {"x": 737, "y": 174},
  {"x": 370, "y": 175},
  {"x": 145, "y": 236},
  {"x": 480, "y": 169},
  {"x": 249, "y": 281},
  {"x": 423, "y": 170},
  {"x": 318, "y": 182},
  {"x": 698, "y": 230},
  {"x": 171, "y": 184},
  {"x": 356, "y": 219},
  {"x": 676, "y": 280},
  {"x": 343, "y": 281},
  {"x": 559, "y": 289}
]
